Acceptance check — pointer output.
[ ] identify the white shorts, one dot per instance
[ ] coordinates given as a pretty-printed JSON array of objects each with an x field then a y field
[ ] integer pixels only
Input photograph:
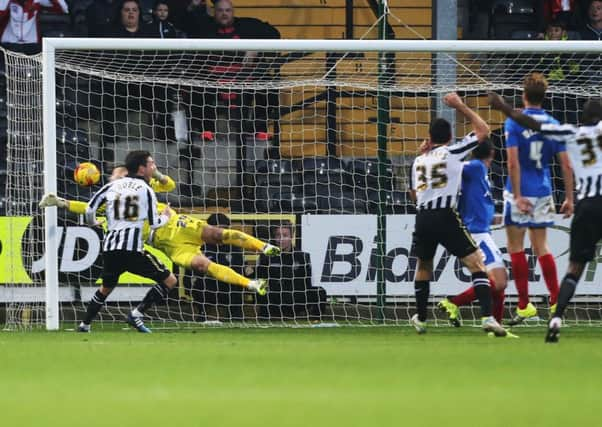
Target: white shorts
[
  {"x": 492, "y": 256},
  {"x": 542, "y": 215}
]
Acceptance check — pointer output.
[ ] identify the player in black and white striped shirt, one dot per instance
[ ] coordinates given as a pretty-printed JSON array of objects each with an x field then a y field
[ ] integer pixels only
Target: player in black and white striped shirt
[
  {"x": 129, "y": 202},
  {"x": 584, "y": 145},
  {"x": 436, "y": 178}
]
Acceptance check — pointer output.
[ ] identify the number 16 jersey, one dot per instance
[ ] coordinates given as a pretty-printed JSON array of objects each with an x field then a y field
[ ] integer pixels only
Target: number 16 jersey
[
  {"x": 437, "y": 174},
  {"x": 129, "y": 202}
]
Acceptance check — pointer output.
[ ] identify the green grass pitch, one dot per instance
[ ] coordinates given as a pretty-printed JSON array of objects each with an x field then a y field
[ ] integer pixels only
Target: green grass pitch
[{"x": 300, "y": 377}]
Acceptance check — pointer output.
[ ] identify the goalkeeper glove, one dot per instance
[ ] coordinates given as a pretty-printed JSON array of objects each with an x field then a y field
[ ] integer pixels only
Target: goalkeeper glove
[
  {"x": 159, "y": 176},
  {"x": 51, "y": 199}
]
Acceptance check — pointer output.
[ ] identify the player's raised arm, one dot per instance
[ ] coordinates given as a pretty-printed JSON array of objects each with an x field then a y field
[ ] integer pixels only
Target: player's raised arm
[
  {"x": 498, "y": 103},
  {"x": 479, "y": 126},
  {"x": 162, "y": 183}
]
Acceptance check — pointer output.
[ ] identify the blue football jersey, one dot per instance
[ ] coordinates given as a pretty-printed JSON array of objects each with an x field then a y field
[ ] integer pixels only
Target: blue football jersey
[
  {"x": 535, "y": 154},
  {"x": 476, "y": 205}
]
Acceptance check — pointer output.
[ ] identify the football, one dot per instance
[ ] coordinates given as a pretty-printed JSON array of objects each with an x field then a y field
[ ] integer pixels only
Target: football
[{"x": 86, "y": 174}]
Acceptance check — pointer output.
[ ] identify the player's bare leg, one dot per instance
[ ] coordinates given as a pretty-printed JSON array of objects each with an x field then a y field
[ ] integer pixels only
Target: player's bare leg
[
  {"x": 225, "y": 236},
  {"x": 567, "y": 290},
  {"x": 225, "y": 274}
]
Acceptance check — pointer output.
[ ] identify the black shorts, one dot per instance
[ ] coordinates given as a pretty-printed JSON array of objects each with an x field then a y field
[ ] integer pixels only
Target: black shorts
[
  {"x": 143, "y": 264},
  {"x": 586, "y": 229},
  {"x": 441, "y": 227}
]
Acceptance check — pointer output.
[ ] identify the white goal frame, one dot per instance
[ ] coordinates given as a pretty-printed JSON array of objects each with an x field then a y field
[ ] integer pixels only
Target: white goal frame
[{"x": 50, "y": 45}]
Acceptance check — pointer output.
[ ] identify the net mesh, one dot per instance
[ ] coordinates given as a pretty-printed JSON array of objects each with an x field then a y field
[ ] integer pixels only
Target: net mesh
[{"x": 272, "y": 138}]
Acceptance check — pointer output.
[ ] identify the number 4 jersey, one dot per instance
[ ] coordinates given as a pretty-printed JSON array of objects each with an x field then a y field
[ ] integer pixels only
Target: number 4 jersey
[
  {"x": 534, "y": 154},
  {"x": 437, "y": 174},
  {"x": 584, "y": 145},
  {"x": 129, "y": 202}
]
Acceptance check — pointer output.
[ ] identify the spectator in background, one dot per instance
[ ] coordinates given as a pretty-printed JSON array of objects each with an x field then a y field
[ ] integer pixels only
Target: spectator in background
[
  {"x": 128, "y": 22},
  {"x": 558, "y": 68},
  {"x": 194, "y": 18},
  {"x": 100, "y": 16},
  {"x": 19, "y": 23},
  {"x": 166, "y": 99},
  {"x": 593, "y": 28},
  {"x": 209, "y": 291},
  {"x": 161, "y": 27},
  {"x": 236, "y": 66},
  {"x": 290, "y": 293},
  {"x": 555, "y": 10}
]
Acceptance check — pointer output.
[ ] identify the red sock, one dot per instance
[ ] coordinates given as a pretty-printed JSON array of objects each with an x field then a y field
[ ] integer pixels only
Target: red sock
[
  {"x": 497, "y": 301},
  {"x": 520, "y": 271},
  {"x": 497, "y": 308},
  {"x": 464, "y": 298},
  {"x": 548, "y": 268}
]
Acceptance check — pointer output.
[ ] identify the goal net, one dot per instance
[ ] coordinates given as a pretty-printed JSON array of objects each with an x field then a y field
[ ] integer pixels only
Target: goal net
[{"x": 309, "y": 138}]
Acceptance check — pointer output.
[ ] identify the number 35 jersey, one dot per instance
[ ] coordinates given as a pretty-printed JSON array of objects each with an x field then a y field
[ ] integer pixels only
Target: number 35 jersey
[
  {"x": 437, "y": 174},
  {"x": 535, "y": 154},
  {"x": 584, "y": 146},
  {"x": 129, "y": 202}
]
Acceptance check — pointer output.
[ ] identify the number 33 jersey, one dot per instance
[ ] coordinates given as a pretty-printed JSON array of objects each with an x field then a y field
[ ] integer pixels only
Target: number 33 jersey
[
  {"x": 437, "y": 174},
  {"x": 129, "y": 202},
  {"x": 584, "y": 146}
]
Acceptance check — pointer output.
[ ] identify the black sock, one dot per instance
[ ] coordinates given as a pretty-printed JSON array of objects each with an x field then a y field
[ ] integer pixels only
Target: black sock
[
  {"x": 567, "y": 290},
  {"x": 480, "y": 283},
  {"x": 155, "y": 295},
  {"x": 422, "y": 289},
  {"x": 96, "y": 303}
]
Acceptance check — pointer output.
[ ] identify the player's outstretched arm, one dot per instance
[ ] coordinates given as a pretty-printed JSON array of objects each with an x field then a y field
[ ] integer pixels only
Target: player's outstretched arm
[
  {"x": 51, "y": 199},
  {"x": 162, "y": 183},
  {"x": 498, "y": 103},
  {"x": 479, "y": 126}
]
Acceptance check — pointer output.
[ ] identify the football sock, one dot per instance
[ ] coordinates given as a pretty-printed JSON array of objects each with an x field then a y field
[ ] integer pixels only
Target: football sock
[
  {"x": 155, "y": 295},
  {"x": 520, "y": 270},
  {"x": 548, "y": 268},
  {"x": 227, "y": 275},
  {"x": 497, "y": 304},
  {"x": 567, "y": 290},
  {"x": 464, "y": 298},
  {"x": 422, "y": 289},
  {"x": 242, "y": 240},
  {"x": 96, "y": 303},
  {"x": 480, "y": 282}
]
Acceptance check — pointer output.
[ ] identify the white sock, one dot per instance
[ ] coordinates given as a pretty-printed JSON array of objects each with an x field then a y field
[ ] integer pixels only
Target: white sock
[{"x": 136, "y": 313}]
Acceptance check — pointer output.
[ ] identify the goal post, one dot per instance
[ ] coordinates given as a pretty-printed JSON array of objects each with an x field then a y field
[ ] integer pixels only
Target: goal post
[
  {"x": 50, "y": 180},
  {"x": 78, "y": 76}
]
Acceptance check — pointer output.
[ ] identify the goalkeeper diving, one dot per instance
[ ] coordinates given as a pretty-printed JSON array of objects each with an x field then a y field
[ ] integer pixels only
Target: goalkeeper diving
[{"x": 182, "y": 237}]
